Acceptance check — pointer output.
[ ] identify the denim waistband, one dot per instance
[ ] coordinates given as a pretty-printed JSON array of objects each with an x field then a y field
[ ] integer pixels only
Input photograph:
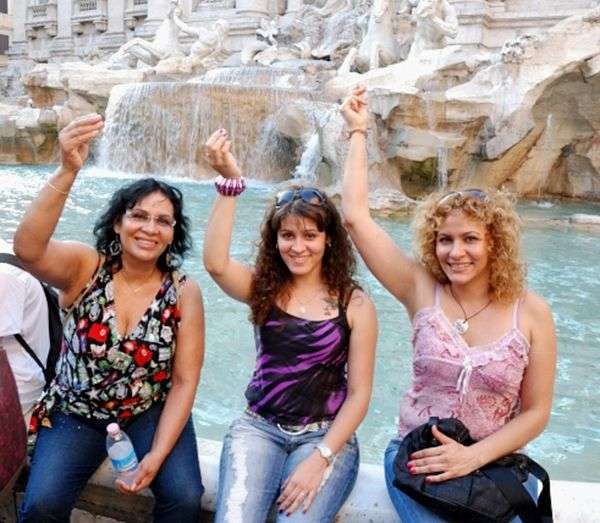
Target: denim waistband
[{"x": 291, "y": 429}]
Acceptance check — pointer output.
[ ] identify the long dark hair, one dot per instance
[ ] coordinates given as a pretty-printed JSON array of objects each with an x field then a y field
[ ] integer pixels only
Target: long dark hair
[
  {"x": 126, "y": 198},
  {"x": 272, "y": 276}
]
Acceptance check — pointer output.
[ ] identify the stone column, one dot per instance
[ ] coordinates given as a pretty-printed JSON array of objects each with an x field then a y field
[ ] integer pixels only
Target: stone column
[
  {"x": 19, "y": 13},
  {"x": 252, "y": 7},
  {"x": 62, "y": 44},
  {"x": 294, "y": 5},
  {"x": 115, "y": 35},
  {"x": 157, "y": 11}
]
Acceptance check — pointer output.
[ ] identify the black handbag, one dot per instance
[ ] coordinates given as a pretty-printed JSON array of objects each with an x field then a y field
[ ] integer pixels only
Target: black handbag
[{"x": 494, "y": 493}]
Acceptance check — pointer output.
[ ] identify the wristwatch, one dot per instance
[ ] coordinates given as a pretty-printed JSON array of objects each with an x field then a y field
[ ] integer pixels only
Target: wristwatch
[{"x": 326, "y": 453}]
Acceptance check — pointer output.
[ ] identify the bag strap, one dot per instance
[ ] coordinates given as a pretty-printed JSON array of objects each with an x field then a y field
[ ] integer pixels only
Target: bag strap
[
  {"x": 517, "y": 495},
  {"x": 514, "y": 492},
  {"x": 11, "y": 259}
]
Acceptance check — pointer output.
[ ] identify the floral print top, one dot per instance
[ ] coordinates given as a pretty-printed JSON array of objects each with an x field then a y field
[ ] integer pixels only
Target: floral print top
[{"x": 102, "y": 375}]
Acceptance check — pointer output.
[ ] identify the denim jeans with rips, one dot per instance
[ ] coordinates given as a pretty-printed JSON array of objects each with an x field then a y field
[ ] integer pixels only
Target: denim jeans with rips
[
  {"x": 412, "y": 511},
  {"x": 66, "y": 456},
  {"x": 256, "y": 460}
]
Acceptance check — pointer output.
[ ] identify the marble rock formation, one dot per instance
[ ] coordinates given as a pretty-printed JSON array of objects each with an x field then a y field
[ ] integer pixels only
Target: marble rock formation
[
  {"x": 27, "y": 135},
  {"x": 527, "y": 120}
]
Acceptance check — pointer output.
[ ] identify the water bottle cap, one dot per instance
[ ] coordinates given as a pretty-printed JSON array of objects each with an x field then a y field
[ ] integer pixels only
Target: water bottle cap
[{"x": 113, "y": 428}]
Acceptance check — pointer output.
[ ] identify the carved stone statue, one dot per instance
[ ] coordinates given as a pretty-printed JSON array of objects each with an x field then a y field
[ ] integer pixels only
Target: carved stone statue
[
  {"x": 165, "y": 43},
  {"x": 436, "y": 22},
  {"x": 206, "y": 52}
]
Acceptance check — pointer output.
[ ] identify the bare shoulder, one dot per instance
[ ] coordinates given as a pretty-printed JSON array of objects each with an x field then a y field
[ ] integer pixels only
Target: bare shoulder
[
  {"x": 536, "y": 308},
  {"x": 360, "y": 307},
  {"x": 190, "y": 292}
]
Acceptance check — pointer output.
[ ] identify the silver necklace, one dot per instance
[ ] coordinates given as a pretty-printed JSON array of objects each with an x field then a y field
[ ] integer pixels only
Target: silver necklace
[
  {"x": 303, "y": 304},
  {"x": 462, "y": 325}
]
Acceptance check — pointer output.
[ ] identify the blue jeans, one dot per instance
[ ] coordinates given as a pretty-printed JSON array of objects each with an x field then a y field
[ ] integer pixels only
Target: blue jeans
[
  {"x": 258, "y": 457},
  {"x": 67, "y": 455},
  {"x": 409, "y": 510}
]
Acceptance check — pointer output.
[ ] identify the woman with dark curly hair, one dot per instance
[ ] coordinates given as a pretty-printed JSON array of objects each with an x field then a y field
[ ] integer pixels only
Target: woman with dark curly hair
[
  {"x": 484, "y": 346},
  {"x": 133, "y": 342},
  {"x": 315, "y": 334}
]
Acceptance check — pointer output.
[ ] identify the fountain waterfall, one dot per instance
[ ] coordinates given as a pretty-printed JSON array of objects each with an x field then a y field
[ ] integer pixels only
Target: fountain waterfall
[{"x": 160, "y": 127}]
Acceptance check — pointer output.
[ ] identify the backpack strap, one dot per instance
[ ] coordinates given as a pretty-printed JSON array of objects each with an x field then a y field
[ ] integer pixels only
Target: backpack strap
[
  {"x": 517, "y": 495},
  {"x": 11, "y": 259}
]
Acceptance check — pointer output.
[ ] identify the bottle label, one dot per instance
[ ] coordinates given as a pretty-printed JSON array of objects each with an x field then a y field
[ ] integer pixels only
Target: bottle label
[{"x": 125, "y": 464}]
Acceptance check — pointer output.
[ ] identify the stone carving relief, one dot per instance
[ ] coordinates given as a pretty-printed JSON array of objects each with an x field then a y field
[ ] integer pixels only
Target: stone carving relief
[
  {"x": 515, "y": 51},
  {"x": 436, "y": 22},
  {"x": 379, "y": 46},
  {"x": 165, "y": 43},
  {"x": 207, "y": 51},
  {"x": 318, "y": 32}
]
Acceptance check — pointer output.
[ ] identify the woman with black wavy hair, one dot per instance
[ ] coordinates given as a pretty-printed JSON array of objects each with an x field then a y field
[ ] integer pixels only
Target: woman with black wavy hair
[{"x": 133, "y": 342}]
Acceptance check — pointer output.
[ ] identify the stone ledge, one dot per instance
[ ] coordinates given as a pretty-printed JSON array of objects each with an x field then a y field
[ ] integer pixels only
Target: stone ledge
[{"x": 573, "y": 502}]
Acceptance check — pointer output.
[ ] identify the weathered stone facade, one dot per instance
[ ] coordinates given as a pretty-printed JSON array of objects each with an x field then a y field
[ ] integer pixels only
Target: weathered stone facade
[
  {"x": 6, "y": 23},
  {"x": 60, "y": 30}
]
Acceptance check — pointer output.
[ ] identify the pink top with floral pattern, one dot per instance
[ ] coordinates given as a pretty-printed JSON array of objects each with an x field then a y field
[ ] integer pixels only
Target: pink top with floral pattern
[{"x": 480, "y": 385}]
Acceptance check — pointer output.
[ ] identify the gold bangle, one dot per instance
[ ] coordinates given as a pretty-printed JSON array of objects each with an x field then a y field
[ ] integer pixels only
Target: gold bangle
[
  {"x": 357, "y": 130},
  {"x": 49, "y": 184}
]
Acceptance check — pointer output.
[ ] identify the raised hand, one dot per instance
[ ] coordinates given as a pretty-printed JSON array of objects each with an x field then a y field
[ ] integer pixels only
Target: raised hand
[
  {"x": 447, "y": 461},
  {"x": 75, "y": 138},
  {"x": 354, "y": 108},
  {"x": 217, "y": 151}
]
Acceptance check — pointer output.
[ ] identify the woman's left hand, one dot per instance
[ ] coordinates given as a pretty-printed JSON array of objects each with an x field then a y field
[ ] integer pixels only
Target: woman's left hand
[
  {"x": 147, "y": 470},
  {"x": 449, "y": 460},
  {"x": 302, "y": 485}
]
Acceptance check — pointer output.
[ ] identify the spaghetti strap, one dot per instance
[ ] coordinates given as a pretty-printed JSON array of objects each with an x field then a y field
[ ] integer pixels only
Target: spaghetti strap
[
  {"x": 516, "y": 308},
  {"x": 438, "y": 288}
]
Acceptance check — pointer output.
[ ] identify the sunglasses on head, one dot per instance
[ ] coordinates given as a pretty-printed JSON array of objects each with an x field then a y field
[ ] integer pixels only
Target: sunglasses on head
[
  {"x": 306, "y": 194},
  {"x": 478, "y": 194}
]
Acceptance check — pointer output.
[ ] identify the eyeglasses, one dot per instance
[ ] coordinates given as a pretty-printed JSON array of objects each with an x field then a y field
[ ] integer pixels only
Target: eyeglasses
[
  {"x": 478, "y": 194},
  {"x": 140, "y": 217},
  {"x": 306, "y": 194}
]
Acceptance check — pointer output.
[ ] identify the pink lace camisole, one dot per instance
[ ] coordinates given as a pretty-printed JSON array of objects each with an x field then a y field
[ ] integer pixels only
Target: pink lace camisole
[{"x": 480, "y": 385}]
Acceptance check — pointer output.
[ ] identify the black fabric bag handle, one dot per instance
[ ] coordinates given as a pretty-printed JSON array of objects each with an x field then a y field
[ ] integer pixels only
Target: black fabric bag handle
[{"x": 517, "y": 495}]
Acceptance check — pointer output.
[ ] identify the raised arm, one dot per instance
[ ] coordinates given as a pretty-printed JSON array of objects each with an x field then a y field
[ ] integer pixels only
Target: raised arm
[
  {"x": 233, "y": 277},
  {"x": 66, "y": 265},
  {"x": 396, "y": 271},
  {"x": 308, "y": 475}
]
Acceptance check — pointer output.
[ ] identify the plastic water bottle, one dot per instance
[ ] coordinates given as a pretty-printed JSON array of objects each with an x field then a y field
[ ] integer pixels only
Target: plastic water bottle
[{"x": 121, "y": 453}]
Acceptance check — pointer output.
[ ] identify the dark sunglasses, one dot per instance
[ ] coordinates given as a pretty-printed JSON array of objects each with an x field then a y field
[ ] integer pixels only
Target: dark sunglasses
[
  {"x": 478, "y": 194},
  {"x": 306, "y": 194}
]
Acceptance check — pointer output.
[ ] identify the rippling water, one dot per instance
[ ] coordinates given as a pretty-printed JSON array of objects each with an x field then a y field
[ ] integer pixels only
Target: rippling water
[{"x": 564, "y": 267}]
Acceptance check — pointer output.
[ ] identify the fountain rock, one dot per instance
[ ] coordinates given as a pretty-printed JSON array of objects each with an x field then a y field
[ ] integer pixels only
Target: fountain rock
[{"x": 27, "y": 135}]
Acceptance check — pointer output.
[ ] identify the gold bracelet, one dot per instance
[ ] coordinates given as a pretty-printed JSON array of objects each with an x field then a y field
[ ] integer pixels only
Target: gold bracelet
[
  {"x": 49, "y": 184},
  {"x": 357, "y": 130}
]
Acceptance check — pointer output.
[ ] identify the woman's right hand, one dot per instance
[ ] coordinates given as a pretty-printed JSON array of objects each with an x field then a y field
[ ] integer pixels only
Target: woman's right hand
[
  {"x": 354, "y": 108},
  {"x": 75, "y": 138},
  {"x": 219, "y": 156}
]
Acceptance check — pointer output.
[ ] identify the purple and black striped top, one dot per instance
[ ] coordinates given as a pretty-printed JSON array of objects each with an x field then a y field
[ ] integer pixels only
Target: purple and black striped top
[{"x": 300, "y": 374}]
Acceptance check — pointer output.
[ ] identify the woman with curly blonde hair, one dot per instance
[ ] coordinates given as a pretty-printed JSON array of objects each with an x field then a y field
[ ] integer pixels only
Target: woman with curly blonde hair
[
  {"x": 484, "y": 347},
  {"x": 315, "y": 334}
]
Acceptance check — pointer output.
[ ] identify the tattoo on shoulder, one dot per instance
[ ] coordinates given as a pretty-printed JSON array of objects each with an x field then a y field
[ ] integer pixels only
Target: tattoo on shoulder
[{"x": 330, "y": 306}]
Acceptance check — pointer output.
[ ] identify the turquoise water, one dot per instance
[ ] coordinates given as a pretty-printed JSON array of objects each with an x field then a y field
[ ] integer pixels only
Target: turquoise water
[{"x": 564, "y": 267}]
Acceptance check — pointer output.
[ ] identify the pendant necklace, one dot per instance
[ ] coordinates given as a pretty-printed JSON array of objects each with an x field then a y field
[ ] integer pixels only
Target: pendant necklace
[
  {"x": 303, "y": 304},
  {"x": 462, "y": 325}
]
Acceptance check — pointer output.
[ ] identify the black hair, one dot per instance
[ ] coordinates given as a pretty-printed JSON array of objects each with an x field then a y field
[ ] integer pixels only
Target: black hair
[{"x": 126, "y": 198}]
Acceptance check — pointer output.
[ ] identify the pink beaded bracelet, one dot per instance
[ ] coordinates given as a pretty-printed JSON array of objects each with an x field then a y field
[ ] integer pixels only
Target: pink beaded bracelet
[{"x": 230, "y": 186}]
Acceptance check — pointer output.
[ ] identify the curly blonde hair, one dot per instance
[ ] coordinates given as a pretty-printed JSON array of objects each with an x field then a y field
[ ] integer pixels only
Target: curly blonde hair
[{"x": 495, "y": 209}]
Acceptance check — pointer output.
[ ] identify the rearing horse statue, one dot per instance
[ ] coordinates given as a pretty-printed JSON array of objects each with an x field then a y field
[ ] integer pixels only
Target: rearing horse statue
[{"x": 379, "y": 46}]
